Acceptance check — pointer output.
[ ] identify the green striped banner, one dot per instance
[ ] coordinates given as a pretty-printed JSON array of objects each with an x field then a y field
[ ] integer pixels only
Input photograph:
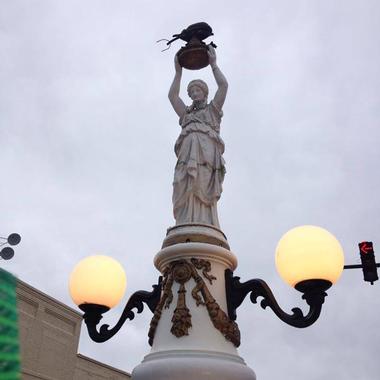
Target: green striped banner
[{"x": 9, "y": 342}]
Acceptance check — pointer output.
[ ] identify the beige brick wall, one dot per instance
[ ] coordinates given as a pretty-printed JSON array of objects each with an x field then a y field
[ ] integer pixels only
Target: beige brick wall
[
  {"x": 88, "y": 368},
  {"x": 49, "y": 338}
]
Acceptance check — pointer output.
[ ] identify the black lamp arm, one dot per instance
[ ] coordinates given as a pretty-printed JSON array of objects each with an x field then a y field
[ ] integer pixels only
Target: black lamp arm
[
  {"x": 93, "y": 313},
  {"x": 313, "y": 292}
]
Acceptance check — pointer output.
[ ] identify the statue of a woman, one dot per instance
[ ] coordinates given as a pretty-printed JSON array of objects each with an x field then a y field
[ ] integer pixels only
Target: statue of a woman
[{"x": 199, "y": 171}]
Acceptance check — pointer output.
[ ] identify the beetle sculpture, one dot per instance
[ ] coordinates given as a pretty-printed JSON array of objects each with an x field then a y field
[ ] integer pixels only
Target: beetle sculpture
[{"x": 194, "y": 55}]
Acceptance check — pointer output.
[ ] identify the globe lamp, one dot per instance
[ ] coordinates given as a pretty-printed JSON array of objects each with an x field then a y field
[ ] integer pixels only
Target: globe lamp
[
  {"x": 309, "y": 253},
  {"x": 97, "y": 280}
]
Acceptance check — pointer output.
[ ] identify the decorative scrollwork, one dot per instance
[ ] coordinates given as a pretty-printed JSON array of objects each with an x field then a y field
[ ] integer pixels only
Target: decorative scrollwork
[
  {"x": 93, "y": 313},
  {"x": 219, "y": 318},
  {"x": 164, "y": 302},
  {"x": 182, "y": 271},
  {"x": 313, "y": 292},
  {"x": 181, "y": 317},
  {"x": 205, "y": 266}
]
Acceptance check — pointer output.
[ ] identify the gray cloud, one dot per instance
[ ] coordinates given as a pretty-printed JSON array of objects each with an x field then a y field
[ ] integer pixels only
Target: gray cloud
[{"x": 87, "y": 158}]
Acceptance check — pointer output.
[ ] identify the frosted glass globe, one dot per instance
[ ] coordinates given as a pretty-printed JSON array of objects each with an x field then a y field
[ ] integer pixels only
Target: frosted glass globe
[
  {"x": 98, "y": 280},
  {"x": 309, "y": 253}
]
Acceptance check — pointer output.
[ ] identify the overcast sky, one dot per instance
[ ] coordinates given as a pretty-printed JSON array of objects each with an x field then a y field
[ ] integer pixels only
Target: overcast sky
[{"x": 86, "y": 156}]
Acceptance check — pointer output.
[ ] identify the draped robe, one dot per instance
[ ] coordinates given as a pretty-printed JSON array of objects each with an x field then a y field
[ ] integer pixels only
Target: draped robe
[{"x": 200, "y": 167}]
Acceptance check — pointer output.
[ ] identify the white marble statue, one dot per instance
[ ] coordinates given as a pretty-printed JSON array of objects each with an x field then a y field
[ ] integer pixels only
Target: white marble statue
[{"x": 199, "y": 171}]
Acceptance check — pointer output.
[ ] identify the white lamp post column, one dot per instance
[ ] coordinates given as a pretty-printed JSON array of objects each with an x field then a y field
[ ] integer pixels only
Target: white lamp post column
[{"x": 191, "y": 334}]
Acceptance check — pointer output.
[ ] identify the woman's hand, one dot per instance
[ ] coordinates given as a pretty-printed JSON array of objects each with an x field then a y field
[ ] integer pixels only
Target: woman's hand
[
  {"x": 221, "y": 81},
  {"x": 211, "y": 55},
  {"x": 178, "y": 67}
]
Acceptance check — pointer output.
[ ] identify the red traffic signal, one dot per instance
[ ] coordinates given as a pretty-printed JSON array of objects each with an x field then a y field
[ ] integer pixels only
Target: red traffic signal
[{"x": 367, "y": 257}]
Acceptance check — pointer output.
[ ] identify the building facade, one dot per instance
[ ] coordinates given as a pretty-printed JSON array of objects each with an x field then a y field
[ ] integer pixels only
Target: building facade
[{"x": 49, "y": 336}]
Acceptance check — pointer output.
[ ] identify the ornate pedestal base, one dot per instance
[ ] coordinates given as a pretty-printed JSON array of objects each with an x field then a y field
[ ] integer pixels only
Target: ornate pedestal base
[
  {"x": 192, "y": 365},
  {"x": 191, "y": 334},
  {"x": 195, "y": 232}
]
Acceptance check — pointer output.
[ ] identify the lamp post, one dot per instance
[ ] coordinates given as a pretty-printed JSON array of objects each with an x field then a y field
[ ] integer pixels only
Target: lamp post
[
  {"x": 193, "y": 332},
  {"x": 186, "y": 339}
]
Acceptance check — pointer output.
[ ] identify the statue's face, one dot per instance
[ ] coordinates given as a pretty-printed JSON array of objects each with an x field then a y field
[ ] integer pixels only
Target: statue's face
[{"x": 196, "y": 93}]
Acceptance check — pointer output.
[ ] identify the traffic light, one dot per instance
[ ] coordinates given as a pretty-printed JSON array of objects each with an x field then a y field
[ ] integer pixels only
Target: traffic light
[{"x": 367, "y": 257}]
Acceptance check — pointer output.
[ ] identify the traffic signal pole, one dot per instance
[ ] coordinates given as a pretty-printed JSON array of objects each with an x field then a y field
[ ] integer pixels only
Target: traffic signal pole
[{"x": 368, "y": 265}]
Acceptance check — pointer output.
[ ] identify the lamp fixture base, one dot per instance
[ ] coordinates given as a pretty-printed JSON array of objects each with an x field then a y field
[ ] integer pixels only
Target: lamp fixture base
[
  {"x": 93, "y": 313},
  {"x": 314, "y": 291},
  {"x": 308, "y": 285}
]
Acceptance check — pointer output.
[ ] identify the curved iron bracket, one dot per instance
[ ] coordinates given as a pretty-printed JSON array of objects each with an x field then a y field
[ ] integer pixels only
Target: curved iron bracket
[
  {"x": 93, "y": 313},
  {"x": 313, "y": 292}
]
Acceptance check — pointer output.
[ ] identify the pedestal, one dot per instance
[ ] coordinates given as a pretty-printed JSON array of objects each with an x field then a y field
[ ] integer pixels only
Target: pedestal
[{"x": 191, "y": 335}]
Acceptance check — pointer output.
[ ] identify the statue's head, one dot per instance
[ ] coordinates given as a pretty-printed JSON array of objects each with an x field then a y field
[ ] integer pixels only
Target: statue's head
[{"x": 197, "y": 90}]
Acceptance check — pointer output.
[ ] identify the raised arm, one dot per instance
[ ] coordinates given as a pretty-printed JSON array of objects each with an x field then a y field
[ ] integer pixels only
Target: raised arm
[
  {"x": 175, "y": 100},
  {"x": 221, "y": 81}
]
